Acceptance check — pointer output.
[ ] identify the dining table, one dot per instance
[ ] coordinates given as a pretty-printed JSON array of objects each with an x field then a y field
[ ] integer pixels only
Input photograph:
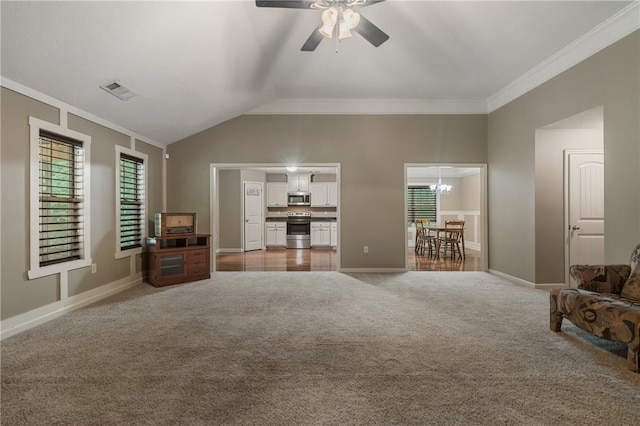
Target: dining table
[{"x": 440, "y": 229}]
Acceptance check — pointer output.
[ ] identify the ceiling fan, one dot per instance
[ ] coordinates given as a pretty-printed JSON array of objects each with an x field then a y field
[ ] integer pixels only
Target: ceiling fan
[{"x": 338, "y": 20}]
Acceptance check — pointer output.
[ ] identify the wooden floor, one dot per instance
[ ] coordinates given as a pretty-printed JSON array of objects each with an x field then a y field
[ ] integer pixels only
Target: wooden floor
[
  {"x": 278, "y": 260},
  {"x": 472, "y": 262},
  {"x": 325, "y": 260}
]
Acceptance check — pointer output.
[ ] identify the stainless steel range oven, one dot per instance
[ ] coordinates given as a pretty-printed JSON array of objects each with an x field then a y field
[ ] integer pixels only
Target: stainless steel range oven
[{"x": 298, "y": 230}]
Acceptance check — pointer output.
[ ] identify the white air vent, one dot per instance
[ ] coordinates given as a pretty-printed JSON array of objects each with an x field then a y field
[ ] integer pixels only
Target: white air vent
[{"x": 118, "y": 90}]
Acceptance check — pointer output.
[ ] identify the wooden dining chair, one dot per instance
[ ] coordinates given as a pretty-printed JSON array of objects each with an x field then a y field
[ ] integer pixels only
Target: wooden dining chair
[
  {"x": 452, "y": 239},
  {"x": 424, "y": 240}
]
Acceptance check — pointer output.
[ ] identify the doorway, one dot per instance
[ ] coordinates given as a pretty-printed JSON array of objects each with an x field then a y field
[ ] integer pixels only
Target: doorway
[
  {"x": 260, "y": 246},
  {"x": 580, "y": 132},
  {"x": 466, "y": 200}
]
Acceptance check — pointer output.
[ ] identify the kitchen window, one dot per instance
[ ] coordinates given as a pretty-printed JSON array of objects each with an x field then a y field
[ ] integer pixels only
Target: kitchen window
[
  {"x": 130, "y": 205},
  {"x": 59, "y": 199},
  {"x": 421, "y": 204}
]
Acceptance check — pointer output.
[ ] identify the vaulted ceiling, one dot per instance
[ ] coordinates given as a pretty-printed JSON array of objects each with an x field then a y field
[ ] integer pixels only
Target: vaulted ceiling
[{"x": 193, "y": 65}]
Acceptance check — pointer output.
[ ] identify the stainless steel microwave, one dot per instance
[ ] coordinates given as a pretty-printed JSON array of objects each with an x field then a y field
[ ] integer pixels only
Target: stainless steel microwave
[{"x": 299, "y": 199}]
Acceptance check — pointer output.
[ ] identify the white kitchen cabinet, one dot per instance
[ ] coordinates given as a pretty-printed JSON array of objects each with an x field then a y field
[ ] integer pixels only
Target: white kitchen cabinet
[
  {"x": 277, "y": 194},
  {"x": 334, "y": 234},
  {"x": 332, "y": 194},
  {"x": 276, "y": 234},
  {"x": 320, "y": 234},
  {"x": 324, "y": 194},
  {"x": 298, "y": 183},
  {"x": 318, "y": 194}
]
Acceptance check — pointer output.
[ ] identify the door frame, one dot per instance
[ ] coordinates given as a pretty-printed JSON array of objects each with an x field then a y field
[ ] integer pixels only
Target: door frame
[
  {"x": 244, "y": 219},
  {"x": 484, "y": 220},
  {"x": 567, "y": 233}
]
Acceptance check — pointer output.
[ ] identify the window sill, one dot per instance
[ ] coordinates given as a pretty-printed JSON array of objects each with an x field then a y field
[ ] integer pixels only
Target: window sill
[
  {"x": 58, "y": 268},
  {"x": 127, "y": 253}
]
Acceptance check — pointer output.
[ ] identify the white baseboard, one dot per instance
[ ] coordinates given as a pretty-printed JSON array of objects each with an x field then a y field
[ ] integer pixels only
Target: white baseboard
[
  {"x": 472, "y": 246},
  {"x": 371, "y": 270},
  {"x": 550, "y": 286},
  {"x": 513, "y": 279},
  {"x": 519, "y": 281},
  {"x": 229, "y": 250},
  {"x": 19, "y": 323}
]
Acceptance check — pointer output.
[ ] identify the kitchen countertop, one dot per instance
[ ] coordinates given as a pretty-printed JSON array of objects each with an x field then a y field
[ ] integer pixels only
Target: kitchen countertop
[{"x": 313, "y": 219}]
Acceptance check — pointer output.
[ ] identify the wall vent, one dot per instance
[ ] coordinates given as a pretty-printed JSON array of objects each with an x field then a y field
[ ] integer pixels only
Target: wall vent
[{"x": 118, "y": 90}]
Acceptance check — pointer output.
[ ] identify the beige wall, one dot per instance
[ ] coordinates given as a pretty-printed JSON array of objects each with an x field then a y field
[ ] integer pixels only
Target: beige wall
[
  {"x": 372, "y": 151},
  {"x": 229, "y": 193},
  {"x": 20, "y": 295},
  {"x": 103, "y": 213},
  {"x": 155, "y": 158},
  {"x": 464, "y": 195},
  {"x": 611, "y": 79},
  {"x": 470, "y": 193}
]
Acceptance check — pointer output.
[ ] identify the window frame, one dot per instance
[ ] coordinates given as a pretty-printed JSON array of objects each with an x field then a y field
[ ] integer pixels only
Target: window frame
[
  {"x": 35, "y": 269},
  {"x": 119, "y": 151}
]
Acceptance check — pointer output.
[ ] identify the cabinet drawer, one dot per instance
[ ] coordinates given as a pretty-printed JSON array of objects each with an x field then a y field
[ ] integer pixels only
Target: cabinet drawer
[
  {"x": 197, "y": 259},
  {"x": 198, "y": 270}
]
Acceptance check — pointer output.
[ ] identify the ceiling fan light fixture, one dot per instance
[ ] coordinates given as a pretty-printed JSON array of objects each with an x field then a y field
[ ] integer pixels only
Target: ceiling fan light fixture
[
  {"x": 344, "y": 31},
  {"x": 329, "y": 21},
  {"x": 350, "y": 18},
  {"x": 338, "y": 20},
  {"x": 327, "y": 31}
]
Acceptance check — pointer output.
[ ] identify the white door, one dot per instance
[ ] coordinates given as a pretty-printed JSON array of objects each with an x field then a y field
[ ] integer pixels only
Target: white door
[
  {"x": 585, "y": 208},
  {"x": 253, "y": 216}
]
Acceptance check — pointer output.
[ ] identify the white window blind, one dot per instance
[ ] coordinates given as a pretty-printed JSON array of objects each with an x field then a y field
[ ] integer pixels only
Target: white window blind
[
  {"x": 61, "y": 199},
  {"x": 131, "y": 201},
  {"x": 421, "y": 203}
]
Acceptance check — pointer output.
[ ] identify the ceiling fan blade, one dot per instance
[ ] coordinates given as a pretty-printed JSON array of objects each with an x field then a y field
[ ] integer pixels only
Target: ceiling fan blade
[
  {"x": 289, "y": 4},
  {"x": 313, "y": 41},
  {"x": 370, "y": 32},
  {"x": 370, "y": 2}
]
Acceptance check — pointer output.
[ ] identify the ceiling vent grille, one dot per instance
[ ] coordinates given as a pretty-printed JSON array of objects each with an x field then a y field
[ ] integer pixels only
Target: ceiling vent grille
[{"x": 118, "y": 90}]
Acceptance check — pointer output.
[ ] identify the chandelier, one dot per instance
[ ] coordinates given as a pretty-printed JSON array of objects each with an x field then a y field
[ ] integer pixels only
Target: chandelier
[{"x": 440, "y": 188}]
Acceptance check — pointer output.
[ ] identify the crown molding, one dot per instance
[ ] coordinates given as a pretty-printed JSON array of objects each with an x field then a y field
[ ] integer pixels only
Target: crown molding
[
  {"x": 370, "y": 106},
  {"x": 613, "y": 29}
]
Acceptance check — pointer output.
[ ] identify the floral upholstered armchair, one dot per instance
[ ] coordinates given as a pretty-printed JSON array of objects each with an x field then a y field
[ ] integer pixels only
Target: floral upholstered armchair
[{"x": 606, "y": 303}]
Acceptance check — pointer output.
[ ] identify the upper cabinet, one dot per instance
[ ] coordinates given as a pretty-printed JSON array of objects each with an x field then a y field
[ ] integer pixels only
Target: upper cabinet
[
  {"x": 277, "y": 194},
  {"x": 324, "y": 194},
  {"x": 298, "y": 183}
]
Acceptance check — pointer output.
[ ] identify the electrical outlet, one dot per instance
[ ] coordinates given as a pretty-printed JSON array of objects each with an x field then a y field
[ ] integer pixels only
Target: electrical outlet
[
  {"x": 94, "y": 268},
  {"x": 366, "y": 249}
]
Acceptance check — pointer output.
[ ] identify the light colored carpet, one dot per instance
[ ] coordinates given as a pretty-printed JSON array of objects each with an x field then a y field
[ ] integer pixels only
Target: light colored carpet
[{"x": 303, "y": 348}]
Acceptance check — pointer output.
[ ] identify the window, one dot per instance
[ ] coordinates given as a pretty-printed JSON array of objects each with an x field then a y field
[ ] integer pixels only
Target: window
[
  {"x": 59, "y": 199},
  {"x": 131, "y": 200},
  {"x": 421, "y": 204}
]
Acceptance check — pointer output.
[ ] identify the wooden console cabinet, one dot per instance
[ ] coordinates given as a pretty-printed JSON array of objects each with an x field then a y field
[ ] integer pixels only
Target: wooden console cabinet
[{"x": 178, "y": 259}]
